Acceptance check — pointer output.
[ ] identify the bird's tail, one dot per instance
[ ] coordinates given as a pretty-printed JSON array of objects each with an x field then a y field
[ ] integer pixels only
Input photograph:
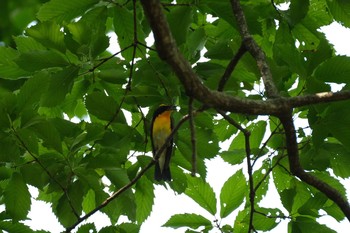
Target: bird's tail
[{"x": 162, "y": 175}]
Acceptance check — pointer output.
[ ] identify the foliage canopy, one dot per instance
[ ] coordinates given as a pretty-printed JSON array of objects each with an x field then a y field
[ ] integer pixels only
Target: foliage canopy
[{"x": 74, "y": 122}]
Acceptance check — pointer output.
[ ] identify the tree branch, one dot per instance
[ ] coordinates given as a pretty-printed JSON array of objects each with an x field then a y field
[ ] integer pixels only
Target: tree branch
[
  {"x": 297, "y": 170},
  {"x": 134, "y": 180},
  {"x": 275, "y": 105},
  {"x": 193, "y": 137},
  {"x": 249, "y": 167},
  {"x": 168, "y": 51},
  {"x": 254, "y": 50},
  {"x": 231, "y": 66}
]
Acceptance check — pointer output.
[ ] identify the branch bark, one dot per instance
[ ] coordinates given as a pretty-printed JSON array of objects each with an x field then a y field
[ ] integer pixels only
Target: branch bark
[{"x": 276, "y": 105}]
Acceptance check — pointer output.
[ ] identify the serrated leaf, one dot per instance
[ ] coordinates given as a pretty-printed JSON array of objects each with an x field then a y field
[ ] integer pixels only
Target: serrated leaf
[
  {"x": 144, "y": 197},
  {"x": 187, "y": 220},
  {"x": 8, "y": 68},
  {"x": 49, "y": 134},
  {"x": 64, "y": 10},
  {"x": 89, "y": 201},
  {"x": 179, "y": 20},
  {"x": 48, "y": 34},
  {"x": 124, "y": 28},
  {"x": 17, "y": 227},
  {"x": 297, "y": 11},
  {"x": 233, "y": 193},
  {"x": 268, "y": 221},
  {"x": 17, "y": 197},
  {"x": 335, "y": 69},
  {"x": 60, "y": 84},
  {"x": 32, "y": 90},
  {"x": 340, "y": 10},
  {"x": 128, "y": 228},
  {"x": 40, "y": 59},
  {"x": 26, "y": 44},
  {"x": 70, "y": 204},
  {"x": 9, "y": 150},
  {"x": 101, "y": 105},
  {"x": 305, "y": 225},
  {"x": 87, "y": 228},
  {"x": 202, "y": 193}
]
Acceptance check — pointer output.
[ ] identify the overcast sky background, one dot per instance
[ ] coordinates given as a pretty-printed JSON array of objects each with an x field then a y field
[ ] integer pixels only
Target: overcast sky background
[{"x": 167, "y": 203}]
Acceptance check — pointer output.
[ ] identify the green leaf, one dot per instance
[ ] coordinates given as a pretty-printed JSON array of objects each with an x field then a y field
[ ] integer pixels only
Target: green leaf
[
  {"x": 40, "y": 59},
  {"x": 179, "y": 19},
  {"x": 193, "y": 221},
  {"x": 257, "y": 134},
  {"x": 144, "y": 197},
  {"x": 32, "y": 90},
  {"x": 220, "y": 9},
  {"x": 26, "y": 44},
  {"x": 9, "y": 150},
  {"x": 69, "y": 204},
  {"x": 89, "y": 34},
  {"x": 127, "y": 227},
  {"x": 60, "y": 84},
  {"x": 305, "y": 225},
  {"x": 285, "y": 52},
  {"x": 268, "y": 221},
  {"x": 340, "y": 10},
  {"x": 337, "y": 122},
  {"x": 201, "y": 192},
  {"x": 233, "y": 193},
  {"x": 64, "y": 10},
  {"x": 335, "y": 69},
  {"x": 17, "y": 197},
  {"x": 101, "y": 105},
  {"x": 340, "y": 161},
  {"x": 49, "y": 34},
  {"x": 33, "y": 174},
  {"x": 297, "y": 11},
  {"x": 49, "y": 134},
  {"x": 8, "y": 68},
  {"x": 89, "y": 201},
  {"x": 124, "y": 28},
  {"x": 87, "y": 228},
  {"x": 18, "y": 227}
]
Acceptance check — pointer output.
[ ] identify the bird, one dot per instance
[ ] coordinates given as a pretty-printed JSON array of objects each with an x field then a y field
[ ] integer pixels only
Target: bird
[{"x": 161, "y": 127}]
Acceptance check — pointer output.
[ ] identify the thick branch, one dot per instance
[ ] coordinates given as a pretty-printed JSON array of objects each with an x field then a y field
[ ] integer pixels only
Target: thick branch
[
  {"x": 322, "y": 97},
  {"x": 169, "y": 52},
  {"x": 276, "y": 105},
  {"x": 254, "y": 50},
  {"x": 297, "y": 170}
]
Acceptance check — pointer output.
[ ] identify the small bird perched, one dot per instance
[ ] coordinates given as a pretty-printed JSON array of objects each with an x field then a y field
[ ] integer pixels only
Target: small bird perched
[{"x": 161, "y": 127}]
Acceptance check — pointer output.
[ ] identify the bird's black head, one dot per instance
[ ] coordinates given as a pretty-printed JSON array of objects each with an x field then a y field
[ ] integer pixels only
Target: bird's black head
[{"x": 163, "y": 108}]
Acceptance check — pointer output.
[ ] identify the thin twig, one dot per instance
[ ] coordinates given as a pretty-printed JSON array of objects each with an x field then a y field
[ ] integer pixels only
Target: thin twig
[
  {"x": 246, "y": 134},
  {"x": 231, "y": 66},
  {"x": 193, "y": 137},
  {"x": 46, "y": 171},
  {"x": 134, "y": 180},
  {"x": 273, "y": 216}
]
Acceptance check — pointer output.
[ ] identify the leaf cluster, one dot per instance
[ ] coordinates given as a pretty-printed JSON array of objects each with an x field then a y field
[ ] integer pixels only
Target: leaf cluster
[{"x": 74, "y": 116}]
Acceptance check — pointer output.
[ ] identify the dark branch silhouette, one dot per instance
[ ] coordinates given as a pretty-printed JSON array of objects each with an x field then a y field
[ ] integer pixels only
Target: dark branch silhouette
[{"x": 276, "y": 105}]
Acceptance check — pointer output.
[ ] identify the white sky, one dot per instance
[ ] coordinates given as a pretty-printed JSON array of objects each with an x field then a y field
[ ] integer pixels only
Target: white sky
[{"x": 167, "y": 203}]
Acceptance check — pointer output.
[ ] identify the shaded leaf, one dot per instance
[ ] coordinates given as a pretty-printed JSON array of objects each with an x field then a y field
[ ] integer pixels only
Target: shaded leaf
[
  {"x": 17, "y": 197},
  {"x": 233, "y": 193},
  {"x": 187, "y": 220},
  {"x": 64, "y": 10},
  {"x": 201, "y": 192},
  {"x": 144, "y": 197}
]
